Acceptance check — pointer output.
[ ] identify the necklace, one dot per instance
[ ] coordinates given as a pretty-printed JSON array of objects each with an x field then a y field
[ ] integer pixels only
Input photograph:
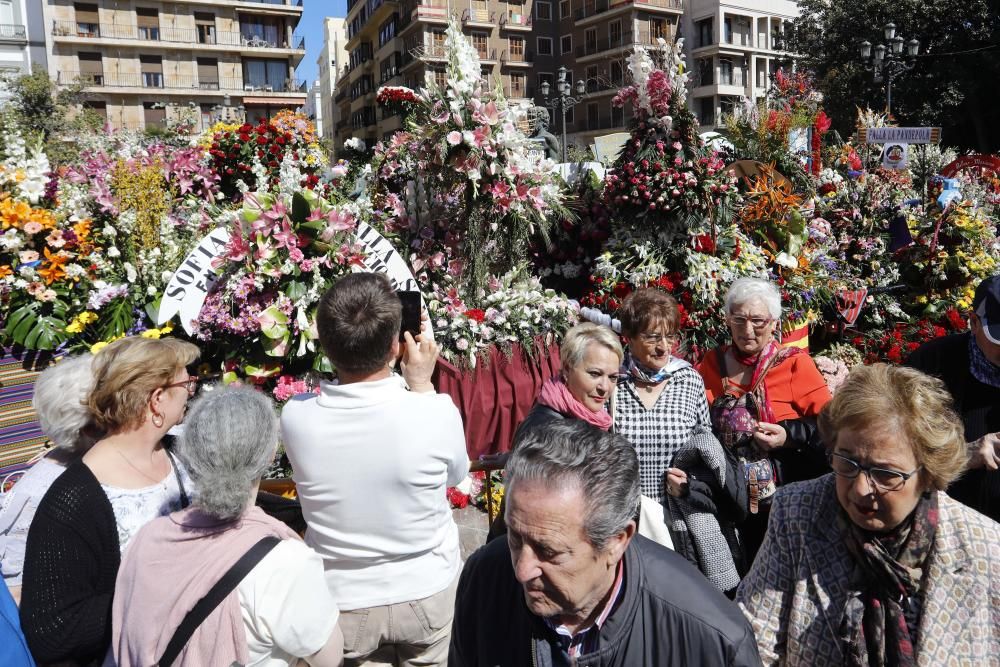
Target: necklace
[{"x": 138, "y": 470}]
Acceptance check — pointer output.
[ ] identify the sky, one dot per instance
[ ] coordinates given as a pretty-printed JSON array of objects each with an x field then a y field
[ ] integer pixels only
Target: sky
[{"x": 311, "y": 27}]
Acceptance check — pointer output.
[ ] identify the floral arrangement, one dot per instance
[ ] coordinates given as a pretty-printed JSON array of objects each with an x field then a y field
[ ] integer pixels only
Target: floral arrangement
[
  {"x": 284, "y": 252},
  {"x": 473, "y": 491}
]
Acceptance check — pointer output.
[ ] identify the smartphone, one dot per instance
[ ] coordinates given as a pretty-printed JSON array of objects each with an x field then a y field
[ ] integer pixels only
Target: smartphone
[{"x": 411, "y": 313}]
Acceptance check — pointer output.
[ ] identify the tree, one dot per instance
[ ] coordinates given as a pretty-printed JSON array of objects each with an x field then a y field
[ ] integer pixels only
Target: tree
[{"x": 958, "y": 64}]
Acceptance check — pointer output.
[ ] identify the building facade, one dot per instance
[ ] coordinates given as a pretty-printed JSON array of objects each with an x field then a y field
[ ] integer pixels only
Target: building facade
[
  {"x": 332, "y": 59},
  {"x": 148, "y": 63},
  {"x": 731, "y": 52},
  {"x": 15, "y": 55}
]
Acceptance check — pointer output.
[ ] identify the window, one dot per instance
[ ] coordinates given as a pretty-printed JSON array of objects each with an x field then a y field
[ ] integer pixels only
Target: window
[
  {"x": 205, "y": 24},
  {"x": 704, "y": 29},
  {"x": 570, "y": 116},
  {"x": 725, "y": 71},
  {"x": 590, "y": 40},
  {"x": 592, "y": 116},
  {"x": 727, "y": 30},
  {"x": 728, "y": 104},
  {"x": 266, "y": 75},
  {"x": 517, "y": 84},
  {"x": 658, "y": 30},
  {"x": 154, "y": 114},
  {"x": 91, "y": 69},
  {"x": 437, "y": 44},
  {"x": 705, "y": 72},
  {"x": 546, "y": 77},
  {"x": 566, "y": 44},
  {"x": 706, "y": 111},
  {"x": 208, "y": 73},
  {"x": 564, "y": 9},
  {"x": 207, "y": 116},
  {"x": 614, "y": 34},
  {"x": 7, "y": 12},
  {"x": 148, "y": 21},
  {"x": 439, "y": 76},
  {"x": 516, "y": 45},
  {"x": 617, "y": 116},
  {"x": 592, "y": 82},
  {"x": 545, "y": 46},
  {"x": 480, "y": 42},
  {"x": 543, "y": 11},
  {"x": 617, "y": 73},
  {"x": 389, "y": 68},
  {"x": 387, "y": 31},
  {"x": 152, "y": 71},
  {"x": 262, "y": 31},
  {"x": 87, "y": 21}
]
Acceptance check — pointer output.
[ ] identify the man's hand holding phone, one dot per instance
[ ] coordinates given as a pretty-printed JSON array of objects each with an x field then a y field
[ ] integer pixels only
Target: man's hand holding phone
[{"x": 420, "y": 355}]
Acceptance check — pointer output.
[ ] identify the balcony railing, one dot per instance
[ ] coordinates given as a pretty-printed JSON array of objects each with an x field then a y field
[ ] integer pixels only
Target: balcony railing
[
  {"x": 171, "y": 35},
  {"x": 595, "y": 7},
  {"x": 12, "y": 31},
  {"x": 641, "y": 38},
  {"x": 479, "y": 16},
  {"x": 524, "y": 57},
  {"x": 515, "y": 21},
  {"x": 158, "y": 80}
]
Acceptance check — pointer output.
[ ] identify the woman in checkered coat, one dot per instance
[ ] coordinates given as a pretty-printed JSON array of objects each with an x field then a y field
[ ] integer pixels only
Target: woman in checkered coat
[{"x": 874, "y": 564}]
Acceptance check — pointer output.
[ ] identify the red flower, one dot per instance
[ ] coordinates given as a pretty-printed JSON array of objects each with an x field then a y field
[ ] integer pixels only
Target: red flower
[
  {"x": 895, "y": 354},
  {"x": 475, "y": 314},
  {"x": 622, "y": 290},
  {"x": 457, "y": 499},
  {"x": 823, "y": 122},
  {"x": 704, "y": 244}
]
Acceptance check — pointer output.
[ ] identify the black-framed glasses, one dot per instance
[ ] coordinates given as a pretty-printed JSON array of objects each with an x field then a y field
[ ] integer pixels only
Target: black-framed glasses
[{"x": 880, "y": 478}]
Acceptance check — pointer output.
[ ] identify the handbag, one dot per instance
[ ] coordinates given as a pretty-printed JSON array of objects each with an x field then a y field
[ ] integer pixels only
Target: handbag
[
  {"x": 734, "y": 419},
  {"x": 214, "y": 597}
]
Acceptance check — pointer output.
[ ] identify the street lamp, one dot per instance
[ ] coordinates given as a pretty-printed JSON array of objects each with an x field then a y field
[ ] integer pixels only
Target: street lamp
[
  {"x": 888, "y": 62},
  {"x": 564, "y": 101}
]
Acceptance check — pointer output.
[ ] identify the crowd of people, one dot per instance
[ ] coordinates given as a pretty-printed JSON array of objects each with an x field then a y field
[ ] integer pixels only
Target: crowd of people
[{"x": 656, "y": 513}]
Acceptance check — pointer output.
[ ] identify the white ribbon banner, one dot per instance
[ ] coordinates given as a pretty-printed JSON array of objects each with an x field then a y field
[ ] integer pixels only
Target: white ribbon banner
[{"x": 191, "y": 282}]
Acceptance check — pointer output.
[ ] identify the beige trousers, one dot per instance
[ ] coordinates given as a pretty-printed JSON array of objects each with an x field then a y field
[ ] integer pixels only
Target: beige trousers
[{"x": 406, "y": 634}]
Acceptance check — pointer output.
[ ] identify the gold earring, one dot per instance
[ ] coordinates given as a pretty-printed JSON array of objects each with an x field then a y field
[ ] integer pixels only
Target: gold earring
[{"x": 154, "y": 418}]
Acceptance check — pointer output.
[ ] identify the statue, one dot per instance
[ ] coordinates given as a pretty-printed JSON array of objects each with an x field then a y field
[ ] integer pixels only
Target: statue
[{"x": 538, "y": 119}]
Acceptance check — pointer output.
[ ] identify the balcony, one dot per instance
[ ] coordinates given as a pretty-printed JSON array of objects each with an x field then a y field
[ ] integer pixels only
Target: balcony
[
  {"x": 593, "y": 50},
  {"x": 600, "y": 123},
  {"x": 433, "y": 13},
  {"x": 515, "y": 22},
  {"x": 479, "y": 18},
  {"x": 594, "y": 10},
  {"x": 526, "y": 58},
  {"x": 173, "y": 84},
  {"x": 11, "y": 32},
  {"x": 188, "y": 37}
]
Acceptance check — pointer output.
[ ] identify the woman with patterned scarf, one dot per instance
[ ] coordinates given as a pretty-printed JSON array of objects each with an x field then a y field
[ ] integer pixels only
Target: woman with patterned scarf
[
  {"x": 875, "y": 565},
  {"x": 764, "y": 399}
]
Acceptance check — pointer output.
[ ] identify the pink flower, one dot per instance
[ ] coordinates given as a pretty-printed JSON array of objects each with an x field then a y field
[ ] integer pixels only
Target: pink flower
[
  {"x": 462, "y": 344},
  {"x": 32, "y": 227},
  {"x": 454, "y": 137},
  {"x": 27, "y": 256},
  {"x": 47, "y": 295},
  {"x": 55, "y": 239}
]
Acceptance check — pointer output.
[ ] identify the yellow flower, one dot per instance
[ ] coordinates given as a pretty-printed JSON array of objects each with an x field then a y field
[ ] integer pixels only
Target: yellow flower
[
  {"x": 150, "y": 333},
  {"x": 167, "y": 328},
  {"x": 87, "y": 317},
  {"x": 97, "y": 347},
  {"x": 75, "y": 326}
]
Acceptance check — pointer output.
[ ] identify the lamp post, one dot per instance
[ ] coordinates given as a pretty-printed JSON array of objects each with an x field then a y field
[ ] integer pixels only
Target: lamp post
[
  {"x": 888, "y": 62},
  {"x": 564, "y": 101}
]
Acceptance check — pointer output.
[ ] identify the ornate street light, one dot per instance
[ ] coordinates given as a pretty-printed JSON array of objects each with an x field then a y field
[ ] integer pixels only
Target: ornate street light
[
  {"x": 888, "y": 62},
  {"x": 564, "y": 101}
]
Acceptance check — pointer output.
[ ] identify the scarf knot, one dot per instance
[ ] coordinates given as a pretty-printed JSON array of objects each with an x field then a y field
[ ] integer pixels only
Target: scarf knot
[{"x": 556, "y": 395}]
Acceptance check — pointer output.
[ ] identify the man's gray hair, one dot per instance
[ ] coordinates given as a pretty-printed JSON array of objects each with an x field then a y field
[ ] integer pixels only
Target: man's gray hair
[
  {"x": 60, "y": 400},
  {"x": 744, "y": 290},
  {"x": 604, "y": 466},
  {"x": 230, "y": 435}
]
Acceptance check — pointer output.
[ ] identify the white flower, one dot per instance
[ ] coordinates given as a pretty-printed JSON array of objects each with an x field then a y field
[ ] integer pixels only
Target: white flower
[
  {"x": 130, "y": 272},
  {"x": 355, "y": 144},
  {"x": 114, "y": 252}
]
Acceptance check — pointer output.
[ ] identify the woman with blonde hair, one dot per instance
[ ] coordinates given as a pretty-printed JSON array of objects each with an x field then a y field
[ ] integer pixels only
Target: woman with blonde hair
[
  {"x": 88, "y": 515},
  {"x": 874, "y": 564}
]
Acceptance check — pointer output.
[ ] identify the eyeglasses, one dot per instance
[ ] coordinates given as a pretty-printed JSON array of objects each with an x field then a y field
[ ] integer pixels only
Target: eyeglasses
[
  {"x": 880, "y": 478},
  {"x": 191, "y": 384},
  {"x": 757, "y": 323},
  {"x": 614, "y": 378},
  {"x": 654, "y": 338}
]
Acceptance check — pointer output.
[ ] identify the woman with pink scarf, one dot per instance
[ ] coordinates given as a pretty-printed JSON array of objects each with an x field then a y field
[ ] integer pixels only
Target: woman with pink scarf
[
  {"x": 278, "y": 613},
  {"x": 591, "y": 363}
]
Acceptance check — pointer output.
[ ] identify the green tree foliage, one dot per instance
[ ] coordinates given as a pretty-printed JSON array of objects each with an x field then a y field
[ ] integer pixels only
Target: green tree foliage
[
  {"x": 953, "y": 84},
  {"x": 37, "y": 107}
]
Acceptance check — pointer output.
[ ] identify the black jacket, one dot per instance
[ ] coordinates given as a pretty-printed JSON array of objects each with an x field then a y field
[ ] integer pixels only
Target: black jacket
[
  {"x": 976, "y": 403},
  {"x": 669, "y": 616},
  {"x": 70, "y": 566}
]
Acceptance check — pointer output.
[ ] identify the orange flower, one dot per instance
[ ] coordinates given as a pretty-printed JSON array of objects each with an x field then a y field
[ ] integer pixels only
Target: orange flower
[
  {"x": 82, "y": 229},
  {"x": 14, "y": 213},
  {"x": 54, "y": 270},
  {"x": 5, "y": 271}
]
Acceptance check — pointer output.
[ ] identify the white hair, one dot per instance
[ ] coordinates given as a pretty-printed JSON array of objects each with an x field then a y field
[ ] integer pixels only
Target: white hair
[
  {"x": 230, "y": 436},
  {"x": 60, "y": 400},
  {"x": 745, "y": 290}
]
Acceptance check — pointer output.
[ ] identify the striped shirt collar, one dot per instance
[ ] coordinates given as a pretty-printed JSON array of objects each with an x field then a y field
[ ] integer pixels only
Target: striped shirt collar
[{"x": 588, "y": 640}]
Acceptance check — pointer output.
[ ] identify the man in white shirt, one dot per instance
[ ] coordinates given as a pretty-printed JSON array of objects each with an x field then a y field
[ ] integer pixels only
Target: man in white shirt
[{"x": 373, "y": 455}]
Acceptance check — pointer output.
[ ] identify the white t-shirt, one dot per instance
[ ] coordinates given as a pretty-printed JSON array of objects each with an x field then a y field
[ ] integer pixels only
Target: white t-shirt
[
  {"x": 372, "y": 461},
  {"x": 287, "y": 612}
]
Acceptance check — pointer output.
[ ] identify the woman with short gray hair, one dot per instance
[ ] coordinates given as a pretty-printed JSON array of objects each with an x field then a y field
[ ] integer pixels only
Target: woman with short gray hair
[
  {"x": 281, "y": 610},
  {"x": 59, "y": 399}
]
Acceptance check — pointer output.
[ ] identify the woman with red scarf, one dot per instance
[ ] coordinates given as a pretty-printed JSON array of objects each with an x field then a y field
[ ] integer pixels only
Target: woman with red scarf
[{"x": 764, "y": 399}]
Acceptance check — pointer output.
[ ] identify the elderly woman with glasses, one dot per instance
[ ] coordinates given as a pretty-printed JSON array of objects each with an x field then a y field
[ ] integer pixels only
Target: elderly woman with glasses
[
  {"x": 127, "y": 478},
  {"x": 280, "y": 612},
  {"x": 874, "y": 564}
]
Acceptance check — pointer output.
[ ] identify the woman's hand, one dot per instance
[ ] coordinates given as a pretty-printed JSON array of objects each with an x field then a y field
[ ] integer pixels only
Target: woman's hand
[
  {"x": 770, "y": 436},
  {"x": 985, "y": 452},
  {"x": 677, "y": 482}
]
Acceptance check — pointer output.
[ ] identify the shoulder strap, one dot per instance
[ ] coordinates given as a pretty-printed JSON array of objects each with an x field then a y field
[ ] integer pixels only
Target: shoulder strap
[
  {"x": 205, "y": 606},
  {"x": 185, "y": 501}
]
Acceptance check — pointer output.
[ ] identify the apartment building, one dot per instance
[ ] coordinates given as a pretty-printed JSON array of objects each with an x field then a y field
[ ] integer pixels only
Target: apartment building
[
  {"x": 331, "y": 60},
  {"x": 146, "y": 63},
  {"x": 15, "y": 57},
  {"x": 731, "y": 52}
]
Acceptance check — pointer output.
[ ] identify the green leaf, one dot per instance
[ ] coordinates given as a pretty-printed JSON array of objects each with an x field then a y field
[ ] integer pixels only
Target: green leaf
[
  {"x": 29, "y": 327},
  {"x": 300, "y": 208},
  {"x": 295, "y": 290}
]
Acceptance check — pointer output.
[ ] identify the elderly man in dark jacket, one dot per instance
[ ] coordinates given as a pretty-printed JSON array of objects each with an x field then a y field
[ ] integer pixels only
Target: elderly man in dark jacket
[{"x": 572, "y": 583}]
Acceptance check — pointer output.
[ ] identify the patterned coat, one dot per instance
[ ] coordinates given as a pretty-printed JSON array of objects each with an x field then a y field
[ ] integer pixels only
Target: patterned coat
[{"x": 795, "y": 593}]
